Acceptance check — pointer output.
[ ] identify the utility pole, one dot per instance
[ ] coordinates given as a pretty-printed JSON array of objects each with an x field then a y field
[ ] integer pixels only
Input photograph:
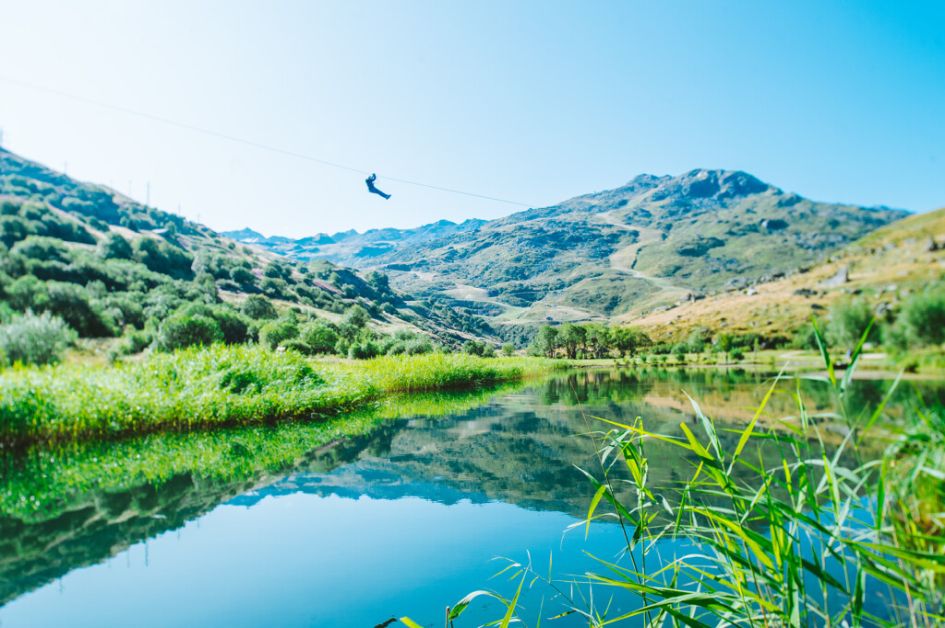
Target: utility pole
[{"x": 147, "y": 194}]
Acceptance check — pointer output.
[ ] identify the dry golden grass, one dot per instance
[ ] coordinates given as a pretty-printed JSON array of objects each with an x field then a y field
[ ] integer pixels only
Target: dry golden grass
[{"x": 883, "y": 266}]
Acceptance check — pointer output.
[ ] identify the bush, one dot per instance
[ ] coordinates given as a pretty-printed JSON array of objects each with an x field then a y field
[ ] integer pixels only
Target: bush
[
  {"x": 278, "y": 332},
  {"x": 74, "y": 304},
  {"x": 42, "y": 248},
  {"x": 35, "y": 339},
  {"x": 318, "y": 337},
  {"x": 921, "y": 322},
  {"x": 235, "y": 326},
  {"x": 163, "y": 258},
  {"x": 478, "y": 348},
  {"x": 363, "y": 349},
  {"x": 259, "y": 308},
  {"x": 115, "y": 246},
  {"x": 848, "y": 322},
  {"x": 183, "y": 330}
]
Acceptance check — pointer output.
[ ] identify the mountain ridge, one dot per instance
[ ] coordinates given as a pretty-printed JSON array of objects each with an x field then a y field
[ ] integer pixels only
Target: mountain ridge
[{"x": 650, "y": 243}]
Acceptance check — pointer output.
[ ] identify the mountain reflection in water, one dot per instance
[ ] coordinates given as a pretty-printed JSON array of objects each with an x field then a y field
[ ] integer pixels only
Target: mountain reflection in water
[{"x": 515, "y": 447}]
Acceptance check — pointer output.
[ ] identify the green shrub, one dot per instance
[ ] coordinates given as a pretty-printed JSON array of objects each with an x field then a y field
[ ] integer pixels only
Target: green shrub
[
  {"x": 235, "y": 326},
  {"x": 318, "y": 337},
  {"x": 478, "y": 348},
  {"x": 35, "y": 339},
  {"x": 259, "y": 307},
  {"x": 355, "y": 319},
  {"x": 363, "y": 349},
  {"x": 278, "y": 332},
  {"x": 921, "y": 322},
  {"x": 183, "y": 330},
  {"x": 848, "y": 323},
  {"x": 115, "y": 246},
  {"x": 163, "y": 258},
  {"x": 42, "y": 248},
  {"x": 75, "y": 306}
]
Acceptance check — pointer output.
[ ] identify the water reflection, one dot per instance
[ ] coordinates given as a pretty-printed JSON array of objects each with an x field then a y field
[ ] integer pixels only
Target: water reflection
[{"x": 510, "y": 448}]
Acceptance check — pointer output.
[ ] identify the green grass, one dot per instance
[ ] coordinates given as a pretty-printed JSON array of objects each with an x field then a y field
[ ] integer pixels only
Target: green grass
[
  {"x": 220, "y": 386},
  {"x": 42, "y": 482}
]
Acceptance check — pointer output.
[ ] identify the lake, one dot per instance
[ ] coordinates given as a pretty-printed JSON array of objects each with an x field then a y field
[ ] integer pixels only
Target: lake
[{"x": 418, "y": 508}]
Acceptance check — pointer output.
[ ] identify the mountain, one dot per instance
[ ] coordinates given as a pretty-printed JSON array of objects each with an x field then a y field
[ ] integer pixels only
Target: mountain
[
  {"x": 622, "y": 253},
  {"x": 351, "y": 248},
  {"x": 884, "y": 267},
  {"x": 108, "y": 264}
]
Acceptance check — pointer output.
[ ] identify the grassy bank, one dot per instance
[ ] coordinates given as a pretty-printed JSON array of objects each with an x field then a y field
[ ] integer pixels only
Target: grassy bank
[{"x": 220, "y": 386}]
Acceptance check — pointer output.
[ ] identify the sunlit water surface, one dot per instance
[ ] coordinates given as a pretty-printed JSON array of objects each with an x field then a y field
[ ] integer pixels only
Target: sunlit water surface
[{"x": 402, "y": 521}]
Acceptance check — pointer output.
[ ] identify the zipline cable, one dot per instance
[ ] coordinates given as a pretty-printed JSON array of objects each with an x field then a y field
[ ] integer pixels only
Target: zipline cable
[{"x": 240, "y": 140}]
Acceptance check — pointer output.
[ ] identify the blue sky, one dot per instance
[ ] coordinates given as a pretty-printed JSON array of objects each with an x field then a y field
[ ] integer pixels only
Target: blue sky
[{"x": 529, "y": 101}]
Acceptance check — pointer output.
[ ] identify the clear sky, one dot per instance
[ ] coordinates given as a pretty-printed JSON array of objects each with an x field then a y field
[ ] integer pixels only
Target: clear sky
[{"x": 529, "y": 101}]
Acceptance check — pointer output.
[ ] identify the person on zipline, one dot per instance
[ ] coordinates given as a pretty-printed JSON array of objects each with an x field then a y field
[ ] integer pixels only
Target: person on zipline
[{"x": 373, "y": 190}]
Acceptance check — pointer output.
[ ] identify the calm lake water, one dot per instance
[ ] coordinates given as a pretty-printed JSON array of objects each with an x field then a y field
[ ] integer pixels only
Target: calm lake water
[{"x": 402, "y": 520}]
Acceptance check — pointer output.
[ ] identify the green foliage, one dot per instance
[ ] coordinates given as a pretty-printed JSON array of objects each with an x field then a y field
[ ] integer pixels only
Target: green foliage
[
  {"x": 355, "y": 319},
  {"x": 163, "y": 258},
  {"x": 921, "y": 322},
  {"x": 259, "y": 307},
  {"x": 114, "y": 246},
  {"x": 278, "y": 332},
  {"x": 183, "y": 330},
  {"x": 77, "y": 307},
  {"x": 362, "y": 349},
  {"x": 478, "y": 348},
  {"x": 34, "y": 339},
  {"x": 848, "y": 321},
  {"x": 318, "y": 337},
  {"x": 777, "y": 527},
  {"x": 42, "y": 248},
  {"x": 216, "y": 386},
  {"x": 588, "y": 341}
]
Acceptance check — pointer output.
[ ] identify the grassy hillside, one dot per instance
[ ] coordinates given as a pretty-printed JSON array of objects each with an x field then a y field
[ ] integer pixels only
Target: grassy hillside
[
  {"x": 649, "y": 244},
  {"x": 113, "y": 267},
  {"x": 883, "y": 268}
]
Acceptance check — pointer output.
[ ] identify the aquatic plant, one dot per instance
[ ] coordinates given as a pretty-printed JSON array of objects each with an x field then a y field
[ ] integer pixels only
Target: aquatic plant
[{"x": 817, "y": 534}]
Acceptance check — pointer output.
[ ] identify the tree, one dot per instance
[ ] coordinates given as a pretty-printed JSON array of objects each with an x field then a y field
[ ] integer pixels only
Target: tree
[
  {"x": 547, "y": 341},
  {"x": 571, "y": 338},
  {"x": 355, "y": 319},
  {"x": 318, "y": 337},
  {"x": 259, "y": 307}
]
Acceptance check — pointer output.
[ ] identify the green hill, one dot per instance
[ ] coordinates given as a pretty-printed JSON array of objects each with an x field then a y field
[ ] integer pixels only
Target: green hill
[
  {"x": 883, "y": 268},
  {"x": 626, "y": 252},
  {"x": 110, "y": 266}
]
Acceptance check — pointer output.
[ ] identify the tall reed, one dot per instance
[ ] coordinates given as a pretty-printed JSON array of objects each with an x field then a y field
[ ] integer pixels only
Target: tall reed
[{"x": 810, "y": 534}]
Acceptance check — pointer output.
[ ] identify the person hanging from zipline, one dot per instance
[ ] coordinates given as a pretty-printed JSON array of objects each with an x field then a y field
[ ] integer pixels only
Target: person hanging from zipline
[{"x": 373, "y": 190}]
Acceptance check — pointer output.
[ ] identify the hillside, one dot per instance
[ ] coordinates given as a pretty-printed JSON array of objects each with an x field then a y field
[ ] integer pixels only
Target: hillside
[
  {"x": 108, "y": 264},
  {"x": 621, "y": 253},
  {"x": 884, "y": 267}
]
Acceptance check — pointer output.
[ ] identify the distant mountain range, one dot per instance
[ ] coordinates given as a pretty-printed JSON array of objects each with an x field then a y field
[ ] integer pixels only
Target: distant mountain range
[{"x": 627, "y": 252}]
